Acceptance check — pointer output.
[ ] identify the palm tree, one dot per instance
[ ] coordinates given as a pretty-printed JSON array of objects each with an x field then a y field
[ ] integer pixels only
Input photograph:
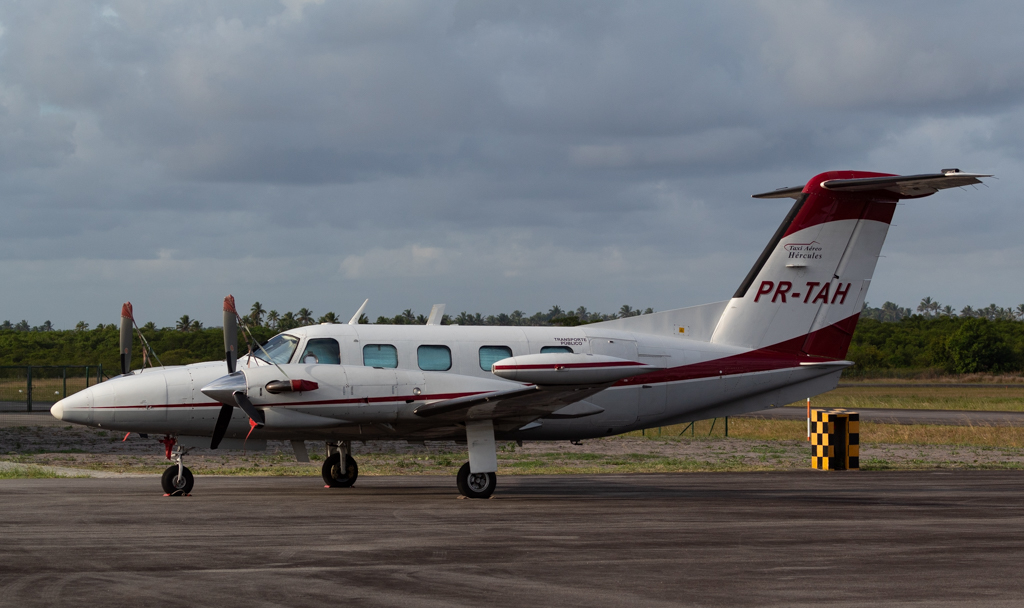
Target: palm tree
[
  {"x": 82, "y": 326},
  {"x": 968, "y": 311},
  {"x": 581, "y": 312},
  {"x": 305, "y": 316},
  {"x": 516, "y": 317},
  {"x": 328, "y": 318},
  {"x": 272, "y": 318},
  {"x": 197, "y": 325},
  {"x": 463, "y": 318},
  {"x": 150, "y": 326},
  {"x": 948, "y": 311},
  {"x": 287, "y": 321},
  {"x": 891, "y": 312},
  {"x": 626, "y": 311},
  {"x": 927, "y": 306},
  {"x": 256, "y": 314},
  {"x": 555, "y": 311},
  {"x": 363, "y": 319},
  {"x": 183, "y": 324},
  {"x": 1019, "y": 313}
]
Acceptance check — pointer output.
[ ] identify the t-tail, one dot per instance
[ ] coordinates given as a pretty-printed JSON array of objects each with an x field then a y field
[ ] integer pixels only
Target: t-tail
[{"x": 805, "y": 292}]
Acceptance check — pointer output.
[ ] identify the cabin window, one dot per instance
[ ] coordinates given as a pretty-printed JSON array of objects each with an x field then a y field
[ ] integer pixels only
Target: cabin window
[
  {"x": 323, "y": 351},
  {"x": 555, "y": 349},
  {"x": 380, "y": 355},
  {"x": 489, "y": 355},
  {"x": 434, "y": 358},
  {"x": 278, "y": 349}
]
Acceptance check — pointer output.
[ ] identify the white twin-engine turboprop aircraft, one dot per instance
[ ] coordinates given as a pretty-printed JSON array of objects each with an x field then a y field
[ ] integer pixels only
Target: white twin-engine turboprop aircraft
[{"x": 781, "y": 338}]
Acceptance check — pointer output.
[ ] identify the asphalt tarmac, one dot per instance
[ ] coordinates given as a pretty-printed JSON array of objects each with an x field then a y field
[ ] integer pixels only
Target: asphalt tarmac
[{"x": 944, "y": 538}]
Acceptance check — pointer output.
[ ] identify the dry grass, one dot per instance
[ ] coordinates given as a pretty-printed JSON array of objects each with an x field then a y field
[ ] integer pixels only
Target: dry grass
[
  {"x": 1007, "y": 399},
  {"x": 870, "y": 433}
]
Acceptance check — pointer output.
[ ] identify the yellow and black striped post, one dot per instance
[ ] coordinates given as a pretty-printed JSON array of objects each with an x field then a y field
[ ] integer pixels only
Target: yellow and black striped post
[{"x": 835, "y": 440}]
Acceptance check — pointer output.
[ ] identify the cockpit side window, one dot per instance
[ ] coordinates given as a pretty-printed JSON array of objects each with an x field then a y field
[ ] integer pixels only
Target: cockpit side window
[
  {"x": 380, "y": 355},
  {"x": 279, "y": 349},
  {"x": 323, "y": 351},
  {"x": 555, "y": 349}
]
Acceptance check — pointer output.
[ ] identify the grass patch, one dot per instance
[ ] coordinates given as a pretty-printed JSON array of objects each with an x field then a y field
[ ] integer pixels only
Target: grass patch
[
  {"x": 1006, "y": 399},
  {"x": 32, "y": 472}
]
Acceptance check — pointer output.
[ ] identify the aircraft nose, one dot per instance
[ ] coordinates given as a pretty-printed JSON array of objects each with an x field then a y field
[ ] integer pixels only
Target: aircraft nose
[{"x": 57, "y": 411}]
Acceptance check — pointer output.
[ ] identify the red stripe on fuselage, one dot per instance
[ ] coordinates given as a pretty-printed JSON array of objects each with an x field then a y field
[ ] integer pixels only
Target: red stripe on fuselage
[{"x": 782, "y": 355}]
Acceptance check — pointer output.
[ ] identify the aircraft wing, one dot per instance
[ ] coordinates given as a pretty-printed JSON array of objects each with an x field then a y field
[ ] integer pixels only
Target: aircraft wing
[{"x": 527, "y": 401}]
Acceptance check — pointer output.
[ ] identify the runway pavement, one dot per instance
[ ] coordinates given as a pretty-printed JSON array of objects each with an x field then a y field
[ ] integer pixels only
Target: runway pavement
[
  {"x": 947, "y": 538},
  {"x": 892, "y": 416}
]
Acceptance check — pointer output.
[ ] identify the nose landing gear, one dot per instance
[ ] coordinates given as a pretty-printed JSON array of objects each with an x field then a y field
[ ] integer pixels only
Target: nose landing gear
[
  {"x": 334, "y": 473},
  {"x": 177, "y": 479}
]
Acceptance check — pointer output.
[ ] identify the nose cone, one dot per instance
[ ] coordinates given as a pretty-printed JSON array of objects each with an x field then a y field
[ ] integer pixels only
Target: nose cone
[
  {"x": 221, "y": 388},
  {"x": 74, "y": 408}
]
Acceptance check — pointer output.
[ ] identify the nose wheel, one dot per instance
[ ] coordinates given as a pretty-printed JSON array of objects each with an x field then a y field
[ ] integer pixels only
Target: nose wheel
[
  {"x": 475, "y": 485},
  {"x": 335, "y": 474},
  {"x": 177, "y": 480}
]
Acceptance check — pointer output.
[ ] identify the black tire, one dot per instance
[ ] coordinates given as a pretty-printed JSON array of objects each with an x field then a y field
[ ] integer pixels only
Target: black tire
[
  {"x": 335, "y": 476},
  {"x": 479, "y": 485},
  {"x": 175, "y": 486}
]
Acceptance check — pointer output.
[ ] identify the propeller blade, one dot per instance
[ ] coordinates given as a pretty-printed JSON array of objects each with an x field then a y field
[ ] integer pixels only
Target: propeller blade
[
  {"x": 250, "y": 410},
  {"x": 223, "y": 419},
  {"x": 127, "y": 321},
  {"x": 230, "y": 333}
]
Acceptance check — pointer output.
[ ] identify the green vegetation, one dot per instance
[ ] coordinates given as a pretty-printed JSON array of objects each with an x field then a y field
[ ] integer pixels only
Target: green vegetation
[
  {"x": 954, "y": 345},
  {"x": 888, "y": 340}
]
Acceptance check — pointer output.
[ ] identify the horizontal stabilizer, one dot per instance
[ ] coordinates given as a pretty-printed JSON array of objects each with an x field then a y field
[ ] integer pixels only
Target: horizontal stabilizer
[{"x": 906, "y": 186}]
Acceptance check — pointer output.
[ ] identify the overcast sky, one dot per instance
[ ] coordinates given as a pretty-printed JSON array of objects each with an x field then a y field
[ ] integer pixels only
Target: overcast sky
[{"x": 489, "y": 155}]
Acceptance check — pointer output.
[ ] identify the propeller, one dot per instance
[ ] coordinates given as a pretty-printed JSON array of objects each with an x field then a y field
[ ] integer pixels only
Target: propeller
[
  {"x": 231, "y": 357},
  {"x": 127, "y": 322},
  {"x": 230, "y": 333}
]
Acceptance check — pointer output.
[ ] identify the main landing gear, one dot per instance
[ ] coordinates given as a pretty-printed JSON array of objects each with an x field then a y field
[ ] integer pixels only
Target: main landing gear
[
  {"x": 476, "y": 478},
  {"x": 475, "y": 485},
  {"x": 334, "y": 473},
  {"x": 177, "y": 480}
]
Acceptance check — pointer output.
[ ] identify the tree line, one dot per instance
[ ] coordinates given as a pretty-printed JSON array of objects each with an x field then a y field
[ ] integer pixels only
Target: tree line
[{"x": 889, "y": 338}]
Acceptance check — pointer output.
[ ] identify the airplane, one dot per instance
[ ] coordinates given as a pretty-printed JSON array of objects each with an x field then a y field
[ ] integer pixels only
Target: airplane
[{"x": 781, "y": 338}]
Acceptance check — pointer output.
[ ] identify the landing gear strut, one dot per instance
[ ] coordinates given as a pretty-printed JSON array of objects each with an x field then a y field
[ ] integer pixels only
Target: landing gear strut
[
  {"x": 177, "y": 480},
  {"x": 335, "y": 475},
  {"x": 483, "y": 459}
]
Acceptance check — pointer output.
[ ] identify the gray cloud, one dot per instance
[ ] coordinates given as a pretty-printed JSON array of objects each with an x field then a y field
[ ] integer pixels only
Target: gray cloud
[{"x": 488, "y": 155}]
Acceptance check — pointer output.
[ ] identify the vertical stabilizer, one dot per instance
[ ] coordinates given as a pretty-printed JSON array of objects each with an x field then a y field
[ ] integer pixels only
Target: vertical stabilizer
[{"x": 807, "y": 288}]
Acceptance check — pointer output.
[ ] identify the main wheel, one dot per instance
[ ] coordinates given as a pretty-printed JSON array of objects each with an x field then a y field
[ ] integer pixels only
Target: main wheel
[
  {"x": 337, "y": 477},
  {"x": 475, "y": 485},
  {"x": 176, "y": 485}
]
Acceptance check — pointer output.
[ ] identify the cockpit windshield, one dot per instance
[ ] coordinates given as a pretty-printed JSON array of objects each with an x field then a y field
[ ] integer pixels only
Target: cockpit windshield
[{"x": 280, "y": 349}]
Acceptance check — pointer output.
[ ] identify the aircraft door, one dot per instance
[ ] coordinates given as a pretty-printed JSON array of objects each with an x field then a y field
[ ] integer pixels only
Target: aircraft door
[
  {"x": 653, "y": 398},
  {"x": 614, "y": 347}
]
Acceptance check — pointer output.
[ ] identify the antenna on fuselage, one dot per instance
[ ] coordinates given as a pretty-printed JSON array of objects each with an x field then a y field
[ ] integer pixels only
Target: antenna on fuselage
[
  {"x": 436, "y": 314},
  {"x": 355, "y": 318}
]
